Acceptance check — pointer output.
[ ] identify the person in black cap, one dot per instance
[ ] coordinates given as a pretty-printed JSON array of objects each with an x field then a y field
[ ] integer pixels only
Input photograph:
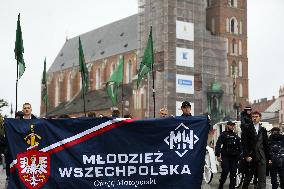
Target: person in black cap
[
  {"x": 246, "y": 117},
  {"x": 186, "y": 109},
  {"x": 228, "y": 152},
  {"x": 276, "y": 150}
]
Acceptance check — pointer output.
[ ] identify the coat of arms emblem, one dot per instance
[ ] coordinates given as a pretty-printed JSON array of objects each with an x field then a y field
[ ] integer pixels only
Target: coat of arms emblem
[{"x": 33, "y": 165}]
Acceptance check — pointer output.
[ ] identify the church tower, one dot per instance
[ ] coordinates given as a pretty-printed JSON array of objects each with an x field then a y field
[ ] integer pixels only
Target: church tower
[{"x": 228, "y": 19}]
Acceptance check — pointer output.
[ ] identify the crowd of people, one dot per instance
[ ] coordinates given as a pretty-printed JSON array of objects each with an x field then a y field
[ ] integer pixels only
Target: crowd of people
[{"x": 254, "y": 153}]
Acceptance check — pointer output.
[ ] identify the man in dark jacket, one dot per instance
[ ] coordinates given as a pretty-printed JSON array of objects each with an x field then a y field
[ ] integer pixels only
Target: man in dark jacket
[
  {"x": 255, "y": 151},
  {"x": 276, "y": 150},
  {"x": 228, "y": 151}
]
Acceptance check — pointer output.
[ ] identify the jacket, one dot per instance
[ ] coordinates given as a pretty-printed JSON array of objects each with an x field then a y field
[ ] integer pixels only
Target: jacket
[
  {"x": 249, "y": 140},
  {"x": 228, "y": 144},
  {"x": 276, "y": 149},
  {"x": 245, "y": 120}
]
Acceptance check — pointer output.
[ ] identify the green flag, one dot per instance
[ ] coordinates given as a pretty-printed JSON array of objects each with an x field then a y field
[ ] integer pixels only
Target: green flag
[
  {"x": 147, "y": 60},
  {"x": 83, "y": 70},
  {"x": 19, "y": 49},
  {"x": 114, "y": 81},
  {"x": 44, "y": 94}
]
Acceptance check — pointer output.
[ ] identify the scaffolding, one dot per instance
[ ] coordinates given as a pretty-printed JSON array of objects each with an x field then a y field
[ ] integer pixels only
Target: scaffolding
[{"x": 210, "y": 56}]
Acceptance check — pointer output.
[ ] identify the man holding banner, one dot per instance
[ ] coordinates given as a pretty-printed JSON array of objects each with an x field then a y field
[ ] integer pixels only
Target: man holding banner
[{"x": 107, "y": 153}]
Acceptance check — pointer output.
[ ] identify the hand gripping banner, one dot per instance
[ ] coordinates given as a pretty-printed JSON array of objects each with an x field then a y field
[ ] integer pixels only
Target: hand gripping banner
[{"x": 105, "y": 153}]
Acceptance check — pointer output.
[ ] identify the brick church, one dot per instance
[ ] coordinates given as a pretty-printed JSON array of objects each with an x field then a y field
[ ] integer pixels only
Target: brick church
[{"x": 200, "y": 53}]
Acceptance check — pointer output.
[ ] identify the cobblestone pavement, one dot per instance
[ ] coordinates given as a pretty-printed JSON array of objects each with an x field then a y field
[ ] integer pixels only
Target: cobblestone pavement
[
  {"x": 212, "y": 185},
  {"x": 215, "y": 182},
  {"x": 2, "y": 177}
]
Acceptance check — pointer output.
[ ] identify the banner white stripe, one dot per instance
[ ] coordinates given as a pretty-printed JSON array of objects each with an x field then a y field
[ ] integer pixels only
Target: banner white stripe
[{"x": 75, "y": 137}]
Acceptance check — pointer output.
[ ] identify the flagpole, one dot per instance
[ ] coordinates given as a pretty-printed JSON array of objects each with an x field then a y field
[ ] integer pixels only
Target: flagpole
[
  {"x": 16, "y": 109},
  {"x": 153, "y": 77},
  {"x": 122, "y": 103},
  {"x": 84, "y": 98},
  {"x": 46, "y": 101}
]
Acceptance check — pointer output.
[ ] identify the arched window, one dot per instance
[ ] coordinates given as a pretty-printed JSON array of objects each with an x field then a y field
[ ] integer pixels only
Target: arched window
[
  {"x": 208, "y": 3},
  {"x": 57, "y": 93},
  {"x": 241, "y": 27},
  {"x": 240, "y": 47},
  {"x": 112, "y": 68},
  {"x": 234, "y": 69},
  {"x": 234, "y": 25},
  {"x": 69, "y": 83},
  {"x": 98, "y": 78},
  {"x": 129, "y": 72},
  {"x": 241, "y": 90},
  {"x": 227, "y": 25},
  {"x": 213, "y": 25},
  {"x": 240, "y": 69},
  {"x": 233, "y": 3},
  {"x": 234, "y": 47}
]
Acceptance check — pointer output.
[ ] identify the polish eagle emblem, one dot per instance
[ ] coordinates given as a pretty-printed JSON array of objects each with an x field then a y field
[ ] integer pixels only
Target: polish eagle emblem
[{"x": 33, "y": 165}]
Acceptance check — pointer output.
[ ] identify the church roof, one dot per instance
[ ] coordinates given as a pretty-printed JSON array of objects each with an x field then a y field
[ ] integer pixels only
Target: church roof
[
  {"x": 76, "y": 105},
  {"x": 111, "y": 39}
]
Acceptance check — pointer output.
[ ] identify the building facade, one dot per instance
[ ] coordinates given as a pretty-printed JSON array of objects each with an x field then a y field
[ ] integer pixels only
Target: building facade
[
  {"x": 228, "y": 18},
  {"x": 193, "y": 61}
]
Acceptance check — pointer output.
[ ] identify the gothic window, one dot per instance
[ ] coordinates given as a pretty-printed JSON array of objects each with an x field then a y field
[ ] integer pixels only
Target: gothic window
[
  {"x": 240, "y": 47},
  {"x": 241, "y": 27},
  {"x": 234, "y": 69},
  {"x": 234, "y": 47},
  {"x": 69, "y": 83},
  {"x": 234, "y": 25},
  {"x": 112, "y": 68},
  {"x": 129, "y": 72},
  {"x": 240, "y": 69},
  {"x": 227, "y": 25},
  {"x": 213, "y": 25},
  {"x": 241, "y": 90},
  {"x": 98, "y": 78},
  {"x": 208, "y": 3},
  {"x": 57, "y": 93},
  {"x": 233, "y": 3}
]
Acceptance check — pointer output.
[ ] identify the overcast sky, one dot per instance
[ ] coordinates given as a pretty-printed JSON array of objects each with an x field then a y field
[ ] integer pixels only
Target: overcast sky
[{"x": 46, "y": 24}]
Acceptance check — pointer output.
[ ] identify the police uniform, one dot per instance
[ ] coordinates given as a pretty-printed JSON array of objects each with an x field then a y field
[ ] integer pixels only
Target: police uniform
[{"x": 229, "y": 147}]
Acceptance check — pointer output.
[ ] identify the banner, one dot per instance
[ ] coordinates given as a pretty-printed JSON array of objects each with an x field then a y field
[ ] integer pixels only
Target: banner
[{"x": 104, "y": 153}]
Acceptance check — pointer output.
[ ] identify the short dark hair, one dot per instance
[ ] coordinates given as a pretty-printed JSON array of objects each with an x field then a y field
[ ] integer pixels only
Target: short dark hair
[
  {"x": 185, "y": 104},
  {"x": 256, "y": 112},
  {"x": 275, "y": 129},
  {"x": 26, "y": 103},
  {"x": 115, "y": 113},
  {"x": 92, "y": 114},
  {"x": 63, "y": 116},
  {"x": 19, "y": 114}
]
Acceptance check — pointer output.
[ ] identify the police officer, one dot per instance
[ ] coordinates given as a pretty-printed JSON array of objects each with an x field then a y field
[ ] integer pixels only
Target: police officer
[{"x": 228, "y": 151}]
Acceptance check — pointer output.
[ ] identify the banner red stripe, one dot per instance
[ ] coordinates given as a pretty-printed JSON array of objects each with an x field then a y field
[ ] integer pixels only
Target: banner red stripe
[
  {"x": 84, "y": 138},
  {"x": 88, "y": 136}
]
